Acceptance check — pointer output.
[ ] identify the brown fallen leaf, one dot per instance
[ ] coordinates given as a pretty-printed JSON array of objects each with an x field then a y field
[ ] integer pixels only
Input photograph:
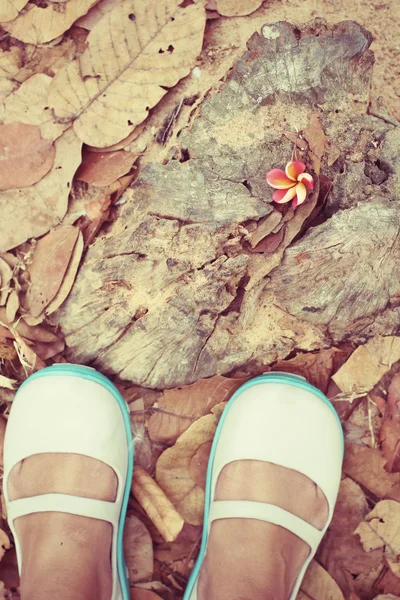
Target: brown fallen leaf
[
  {"x": 367, "y": 466},
  {"x": 164, "y": 40},
  {"x": 316, "y": 368},
  {"x": 138, "y": 550},
  {"x": 49, "y": 265},
  {"x": 156, "y": 504},
  {"x": 19, "y": 108},
  {"x": 4, "y": 543},
  {"x": 38, "y": 25},
  {"x": 173, "y": 469},
  {"x": 341, "y": 553},
  {"x": 317, "y": 140},
  {"x": 236, "y": 8},
  {"x": 32, "y": 211},
  {"x": 381, "y": 529},
  {"x": 387, "y": 583},
  {"x": 104, "y": 168},
  {"x": 318, "y": 584},
  {"x": 178, "y": 408},
  {"x": 138, "y": 594},
  {"x": 390, "y": 430},
  {"x": 94, "y": 15},
  {"x": 9, "y": 9},
  {"x": 5, "y": 278},
  {"x": 368, "y": 364},
  {"x": 69, "y": 277},
  {"x": 10, "y": 64},
  {"x": 25, "y": 157},
  {"x": 264, "y": 227},
  {"x": 270, "y": 243}
]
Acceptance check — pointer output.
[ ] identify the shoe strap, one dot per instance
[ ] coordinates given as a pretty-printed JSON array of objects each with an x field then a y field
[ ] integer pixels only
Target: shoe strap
[
  {"x": 75, "y": 505},
  {"x": 247, "y": 509}
]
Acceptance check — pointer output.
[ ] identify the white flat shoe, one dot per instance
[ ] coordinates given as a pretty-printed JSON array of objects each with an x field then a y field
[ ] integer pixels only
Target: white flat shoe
[
  {"x": 72, "y": 409},
  {"x": 282, "y": 419}
]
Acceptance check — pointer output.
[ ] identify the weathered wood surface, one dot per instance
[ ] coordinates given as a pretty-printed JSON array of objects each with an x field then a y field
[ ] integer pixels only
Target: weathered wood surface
[{"x": 173, "y": 293}]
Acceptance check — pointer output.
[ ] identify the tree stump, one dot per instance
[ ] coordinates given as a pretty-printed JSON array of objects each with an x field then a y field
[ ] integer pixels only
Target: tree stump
[{"x": 201, "y": 274}]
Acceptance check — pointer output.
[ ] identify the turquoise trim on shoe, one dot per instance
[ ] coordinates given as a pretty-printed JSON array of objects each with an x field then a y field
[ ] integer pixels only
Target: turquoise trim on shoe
[
  {"x": 93, "y": 375},
  {"x": 271, "y": 377}
]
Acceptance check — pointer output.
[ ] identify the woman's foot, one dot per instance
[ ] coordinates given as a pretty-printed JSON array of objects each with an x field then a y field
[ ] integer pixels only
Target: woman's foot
[
  {"x": 249, "y": 559},
  {"x": 64, "y": 556}
]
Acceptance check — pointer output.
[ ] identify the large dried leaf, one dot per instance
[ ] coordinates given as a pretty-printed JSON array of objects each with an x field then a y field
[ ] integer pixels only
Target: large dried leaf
[
  {"x": 103, "y": 168},
  {"x": 25, "y": 157},
  {"x": 69, "y": 277},
  {"x": 138, "y": 550},
  {"x": 9, "y": 9},
  {"x": 19, "y": 107},
  {"x": 134, "y": 52},
  {"x": 390, "y": 430},
  {"x": 178, "y": 408},
  {"x": 174, "y": 469},
  {"x": 236, "y": 8},
  {"x": 49, "y": 265},
  {"x": 381, "y": 529},
  {"x": 156, "y": 504},
  {"x": 341, "y": 553},
  {"x": 368, "y": 364},
  {"x": 318, "y": 584},
  {"x": 38, "y": 25},
  {"x": 31, "y": 212},
  {"x": 367, "y": 467}
]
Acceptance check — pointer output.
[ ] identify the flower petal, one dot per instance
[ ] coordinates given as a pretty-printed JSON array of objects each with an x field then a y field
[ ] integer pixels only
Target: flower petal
[
  {"x": 282, "y": 196},
  {"x": 301, "y": 193},
  {"x": 294, "y": 168},
  {"x": 307, "y": 179},
  {"x": 278, "y": 180}
]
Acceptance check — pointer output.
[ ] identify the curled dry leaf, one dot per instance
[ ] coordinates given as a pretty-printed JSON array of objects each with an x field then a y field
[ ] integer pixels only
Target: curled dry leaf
[
  {"x": 381, "y": 529},
  {"x": 7, "y": 383},
  {"x": 18, "y": 107},
  {"x": 103, "y": 168},
  {"x": 38, "y": 25},
  {"x": 12, "y": 306},
  {"x": 368, "y": 364},
  {"x": 135, "y": 51},
  {"x": 5, "y": 278},
  {"x": 138, "y": 550},
  {"x": 9, "y": 9},
  {"x": 178, "y": 408},
  {"x": 156, "y": 504},
  {"x": 49, "y": 264},
  {"x": 390, "y": 429},
  {"x": 94, "y": 15},
  {"x": 174, "y": 469},
  {"x": 32, "y": 211},
  {"x": 236, "y": 8},
  {"x": 4, "y": 543},
  {"x": 25, "y": 157},
  {"x": 318, "y": 584}
]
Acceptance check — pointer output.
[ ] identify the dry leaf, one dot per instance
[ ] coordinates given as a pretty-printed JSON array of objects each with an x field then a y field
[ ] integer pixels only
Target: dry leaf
[
  {"x": 387, "y": 583},
  {"x": 368, "y": 364},
  {"x": 2, "y": 434},
  {"x": 7, "y": 383},
  {"x": 24, "y": 156},
  {"x": 9, "y": 9},
  {"x": 174, "y": 469},
  {"x": 341, "y": 553},
  {"x": 69, "y": 277},
  {"x": 10, "y": 63},
  {"x": 316, "y": 368},
  {"x": 138, "y": 594},
  {"x": 318, "y": 585},
  {"x": 135, "y": 51},
  {"x": 381, "y": 529},
  {"x": 12, "y": 306},
  {"x": 4, "y": 543},
  {"x": 316, "y": 138},
  {"x": 19, "y": 107},
  {"x": 104, "y": 168},
  {"x": 156, "y": 504},
  {"x": 387, "y": 597},
  {"x": 236, "y": 8},
  {"x": 178, "y": 408},
  {"x": 367, "y": 467},
  {"x": 94, "y": 15},
  {"x": 264, "y": 227},
  {"x": 38, "y": 25},
  {"x": 49, "y": 265},
  {"x": 138, "y": 550},
  {"x": 390, "y": 430},
  {"x": 32, "y": 211},
  {"x": 5, "y": 278}
]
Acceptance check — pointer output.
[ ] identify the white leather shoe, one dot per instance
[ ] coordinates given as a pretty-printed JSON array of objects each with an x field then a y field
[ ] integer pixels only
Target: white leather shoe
[
  {"x": 282, "y": 419},
  {"x": 73, "y": 409}
]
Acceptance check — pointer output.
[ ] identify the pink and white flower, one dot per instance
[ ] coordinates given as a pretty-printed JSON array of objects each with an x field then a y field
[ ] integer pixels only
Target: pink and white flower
[{"x": 291, "y": 184}]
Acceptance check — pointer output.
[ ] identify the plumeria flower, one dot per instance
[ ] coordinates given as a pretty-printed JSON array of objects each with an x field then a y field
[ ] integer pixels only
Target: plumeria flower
[{"x": 290, "y": 184}]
